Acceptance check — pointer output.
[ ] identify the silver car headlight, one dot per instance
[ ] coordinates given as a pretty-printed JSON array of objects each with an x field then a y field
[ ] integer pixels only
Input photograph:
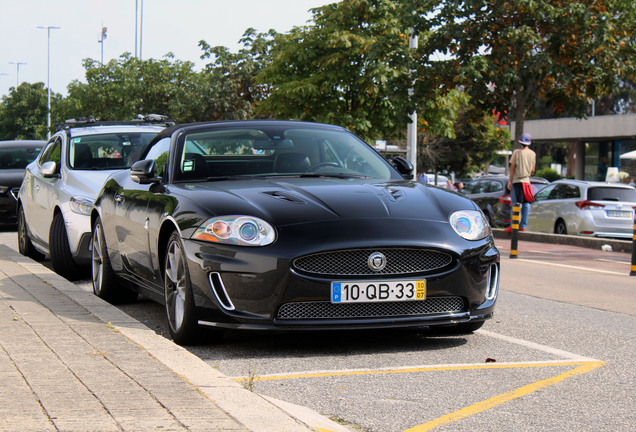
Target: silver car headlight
[
  {"x": 81, "y": 205},
  {"x": 236, "y": 230},
  {"x": 470, "y": 224}
]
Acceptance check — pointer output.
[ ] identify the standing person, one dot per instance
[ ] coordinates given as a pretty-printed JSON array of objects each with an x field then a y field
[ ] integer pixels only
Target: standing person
[{"x": 522, "y": 166}]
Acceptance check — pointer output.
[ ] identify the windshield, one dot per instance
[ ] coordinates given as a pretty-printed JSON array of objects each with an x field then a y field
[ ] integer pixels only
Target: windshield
[
  {"x": 277, "y": 151},
  {"x": 17, "y": 157},
  {"x": 107, "y": 151}
]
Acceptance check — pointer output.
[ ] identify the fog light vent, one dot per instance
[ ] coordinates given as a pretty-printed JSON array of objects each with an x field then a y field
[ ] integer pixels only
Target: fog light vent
[
  {"x": 493, "y": 282},
  {"x": 219, "y": 291}
]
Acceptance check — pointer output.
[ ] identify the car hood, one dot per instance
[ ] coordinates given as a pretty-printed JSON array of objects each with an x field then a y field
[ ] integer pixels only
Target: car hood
[
  {"x": 301, "y": 200},
  {"x": 87, "y": 183}
]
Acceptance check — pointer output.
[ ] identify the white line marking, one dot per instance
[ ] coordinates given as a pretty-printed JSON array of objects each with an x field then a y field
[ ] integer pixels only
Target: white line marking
[
  {"x": 572, "y": 267},
  {"x": 532, "y": 345}
]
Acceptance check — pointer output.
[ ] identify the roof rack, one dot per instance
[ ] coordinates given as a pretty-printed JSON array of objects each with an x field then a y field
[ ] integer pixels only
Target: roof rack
[{"x": 141, "y": 119}]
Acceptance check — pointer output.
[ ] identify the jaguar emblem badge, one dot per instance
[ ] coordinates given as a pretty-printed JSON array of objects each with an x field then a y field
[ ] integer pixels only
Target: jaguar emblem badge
[{"x": 377, "y": 261}]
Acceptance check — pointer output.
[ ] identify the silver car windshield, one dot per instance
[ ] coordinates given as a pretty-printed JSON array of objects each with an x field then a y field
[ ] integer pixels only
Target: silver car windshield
[
  {"x": 107, "y": 151},
  {"x": 293, "y": 151}
]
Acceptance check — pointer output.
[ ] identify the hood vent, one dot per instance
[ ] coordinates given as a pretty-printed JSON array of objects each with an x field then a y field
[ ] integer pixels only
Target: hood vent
[{"x": 284, "y": 197}]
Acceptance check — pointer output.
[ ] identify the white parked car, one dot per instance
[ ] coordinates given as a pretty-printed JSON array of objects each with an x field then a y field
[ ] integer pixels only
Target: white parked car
[
  {"x": 594, "y": 209},
  {"x": 60, "y": 186}
]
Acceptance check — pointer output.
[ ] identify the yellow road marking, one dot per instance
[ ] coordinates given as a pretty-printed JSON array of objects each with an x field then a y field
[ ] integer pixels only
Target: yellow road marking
[
  {"x": 582, "y": 368},
  {"x": 505, "y": 397},
  {"x": 413, "y": 369}
]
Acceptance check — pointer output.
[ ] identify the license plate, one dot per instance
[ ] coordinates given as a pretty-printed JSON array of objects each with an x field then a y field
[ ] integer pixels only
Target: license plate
[
  {"x": 372, "y": 292},
  {"x": 618, "y": 213}
]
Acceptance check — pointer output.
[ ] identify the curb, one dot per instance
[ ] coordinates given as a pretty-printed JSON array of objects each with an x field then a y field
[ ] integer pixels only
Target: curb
[
  {"x": 570, "y": 240},
  {"x": 257, "y": 413}
]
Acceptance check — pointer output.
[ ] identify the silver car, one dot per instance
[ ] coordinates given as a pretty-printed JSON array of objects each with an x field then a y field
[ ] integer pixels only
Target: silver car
[
  {"x": 60, "y": 186},
  {"x": 594, "y": 209}
]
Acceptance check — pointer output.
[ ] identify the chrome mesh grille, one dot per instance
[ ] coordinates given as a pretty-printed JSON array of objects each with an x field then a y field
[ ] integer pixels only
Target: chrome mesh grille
[
  {"x": 325, "y": 310},
  {"x": 353, "y": 262}
]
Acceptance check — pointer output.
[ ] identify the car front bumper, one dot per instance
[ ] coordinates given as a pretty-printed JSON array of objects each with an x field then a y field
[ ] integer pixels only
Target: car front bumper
[{"x": 249, "y": 288}]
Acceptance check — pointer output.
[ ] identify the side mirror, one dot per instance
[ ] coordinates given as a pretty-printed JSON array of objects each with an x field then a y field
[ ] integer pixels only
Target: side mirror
[
  {"x": 144, "y": 172},
  {"x": 403, "y": 166},
  {"x": 49, "y": 169}
]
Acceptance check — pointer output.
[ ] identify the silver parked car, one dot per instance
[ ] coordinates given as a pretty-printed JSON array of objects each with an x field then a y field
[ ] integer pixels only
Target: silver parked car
[
  {"x": 60, "y": 186},
  {"x": 594, "y": 209}
]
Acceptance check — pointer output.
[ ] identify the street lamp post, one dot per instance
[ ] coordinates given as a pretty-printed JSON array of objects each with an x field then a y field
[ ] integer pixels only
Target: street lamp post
[
  {"x": 48, "y": 78},
  {"x": 17, "y": 72}
]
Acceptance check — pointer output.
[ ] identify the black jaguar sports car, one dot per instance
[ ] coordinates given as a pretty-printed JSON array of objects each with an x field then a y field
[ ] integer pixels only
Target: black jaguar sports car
[{"x": 289, "y": 225}]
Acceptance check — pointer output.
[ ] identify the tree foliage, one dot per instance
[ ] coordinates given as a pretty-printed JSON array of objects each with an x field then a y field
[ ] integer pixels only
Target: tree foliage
[
  {"x": 348, "y": 68},
  {"x": 509, "y": 53},
  {"x": 231, "y": 77},
  {"x": 23, "y": 112},
  {"x": 125, "y": 87}
]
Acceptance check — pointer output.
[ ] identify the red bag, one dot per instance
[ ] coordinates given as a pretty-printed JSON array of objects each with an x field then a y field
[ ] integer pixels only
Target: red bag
[{"x": 527, "y": 192}]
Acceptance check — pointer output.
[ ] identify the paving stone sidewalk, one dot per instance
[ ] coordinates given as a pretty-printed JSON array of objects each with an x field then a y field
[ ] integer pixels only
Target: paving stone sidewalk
[{"x": 71, "y": 362}]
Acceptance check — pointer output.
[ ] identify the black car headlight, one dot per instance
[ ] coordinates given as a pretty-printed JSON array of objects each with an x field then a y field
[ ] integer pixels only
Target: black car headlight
[
  {"x": 236, "y": 230},
  {"x": 470, "y": 224}
]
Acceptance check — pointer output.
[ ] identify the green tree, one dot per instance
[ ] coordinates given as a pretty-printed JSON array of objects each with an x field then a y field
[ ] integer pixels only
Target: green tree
[
  {"x": 475, "y": 140},
  {"x": 231, "y": 77},
  {"x": 23, "y": 112},
  {"x": 507, "y": 54},
  {"x": 125, "y": 87},
  {"x": 350, "y": 67}
]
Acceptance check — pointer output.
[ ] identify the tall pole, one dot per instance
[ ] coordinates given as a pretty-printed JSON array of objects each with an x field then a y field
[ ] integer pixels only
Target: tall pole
[
  {"x": 48, "y": 78},
  {"x": 141, "y": 29},
  {"x": 136, "y": 21},
  {"x": 411, "y": 128},
  {"x": 17, "y": 72}
]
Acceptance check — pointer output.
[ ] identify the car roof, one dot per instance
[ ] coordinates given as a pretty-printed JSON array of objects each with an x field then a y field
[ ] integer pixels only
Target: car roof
[
  {"x": 22, "y": 143},
  {"x": 588, "y": 183},
  {"x": 121, "y": 128}
]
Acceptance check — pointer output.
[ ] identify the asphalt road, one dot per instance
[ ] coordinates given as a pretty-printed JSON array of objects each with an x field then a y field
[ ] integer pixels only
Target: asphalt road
[{"x": 558, "y": 356}]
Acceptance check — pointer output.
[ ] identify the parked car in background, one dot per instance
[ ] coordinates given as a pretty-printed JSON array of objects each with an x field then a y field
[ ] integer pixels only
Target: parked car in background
[
  {"x": 285, "y": 225},
  {"x": 594, "y": 209},
  {"x": 14, "y": 157},
  {"x": 60, "y": 186},
  {"x": 492, "y": 195},
  {"x": 441, "y": 179}
]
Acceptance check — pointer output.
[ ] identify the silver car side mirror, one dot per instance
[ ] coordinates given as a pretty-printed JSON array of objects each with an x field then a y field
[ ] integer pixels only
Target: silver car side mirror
[{"x": 49, "y": 169}]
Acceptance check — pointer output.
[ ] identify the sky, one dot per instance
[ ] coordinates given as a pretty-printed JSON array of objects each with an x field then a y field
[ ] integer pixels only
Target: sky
[{"x": 174, "y": 26}]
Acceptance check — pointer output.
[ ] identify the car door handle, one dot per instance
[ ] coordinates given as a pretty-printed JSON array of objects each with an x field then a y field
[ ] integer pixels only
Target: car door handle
[
  {"x": 119, "y": 199},
  {"x": 37, "y": 188}
]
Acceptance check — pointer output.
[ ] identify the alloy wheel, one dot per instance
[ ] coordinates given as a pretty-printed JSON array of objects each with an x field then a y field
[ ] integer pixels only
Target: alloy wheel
[{"x": 176, "y": 285}]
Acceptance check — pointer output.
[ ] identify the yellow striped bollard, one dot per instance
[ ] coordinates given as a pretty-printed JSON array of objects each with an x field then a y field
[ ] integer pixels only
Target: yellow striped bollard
[
  {"x": 516, "y": 211},
  {"x": 633, "y": 272}
]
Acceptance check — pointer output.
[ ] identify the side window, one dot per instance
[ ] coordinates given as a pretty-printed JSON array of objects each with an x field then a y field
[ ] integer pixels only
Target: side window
[
  {"x": 495, "y": 186},
  {"x": 544, "y": 193},
  {"x": 560, "y": 192},
  {"x": 481, "y": 187},
  {"x": 52, "y": 153},
  {"x": 468, "y": 189},
  {"x": 572, "y": 192},
  {"x": 159, "y": 152}
]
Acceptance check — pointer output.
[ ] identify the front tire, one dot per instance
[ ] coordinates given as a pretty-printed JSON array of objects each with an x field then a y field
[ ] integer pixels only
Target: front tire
[
  {"x": 25, "y": 246},
  {"x": 105, "y": 284},
  {"x": 61, "y": 257},
  {"x": 180, "y": 309}
]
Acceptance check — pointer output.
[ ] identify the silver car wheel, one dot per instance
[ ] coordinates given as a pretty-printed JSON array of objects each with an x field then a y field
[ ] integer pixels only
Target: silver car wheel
[
  {"x": 176, "y": 285},
  {"x": 97, "y": 260}
]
